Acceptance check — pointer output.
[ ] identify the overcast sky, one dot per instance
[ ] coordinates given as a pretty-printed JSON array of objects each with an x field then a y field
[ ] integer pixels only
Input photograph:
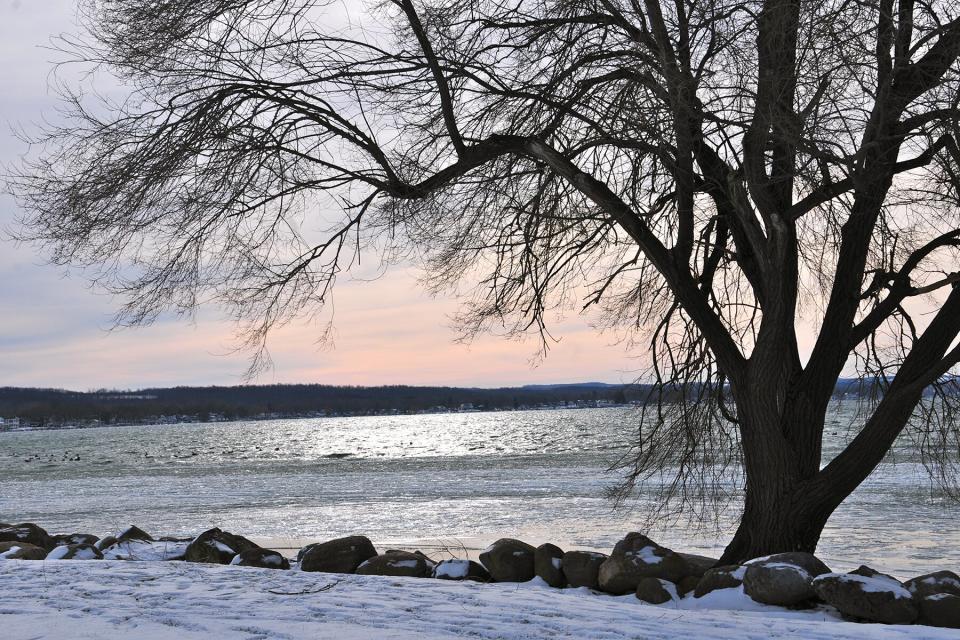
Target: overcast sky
[{"x": 54, "y": 329}]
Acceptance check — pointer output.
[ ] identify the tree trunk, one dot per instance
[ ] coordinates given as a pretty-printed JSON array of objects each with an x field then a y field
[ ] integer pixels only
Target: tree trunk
[{"x": 792, "y": 522}]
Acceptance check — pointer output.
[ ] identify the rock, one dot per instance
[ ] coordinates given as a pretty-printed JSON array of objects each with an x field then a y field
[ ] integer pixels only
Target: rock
[
  {"x": 262, "y": 558},
  {"x": 867, "y": 572},
  {"x": 636, "y": 557},
  {"x": 509, "y": 560},
  {"x": 216, "y": 547},
  {"x": 133, "y": 532},
  {"x": 397, "y": 563},
  {"x": 11, "y": 550},
  {"x": 29, "y": 533},
  {"x": 342, "y": 555},
  {"x": 75, "y": 552},
  {"x": 582, "y": 568},
  {"x": 75, "y": 538},
  {"x": 876, "y": 599},
  {"x": 698, "y": 564},
  {"x": 940, "y": 610},
  {"x": 783, "y": 579},
  {"x": 105, "y": 543},
  {"x": 726, "y": 577},
  {"x": 934, "y": 584},
  {"x": 461, "y": 570},
  {"x": 431, "y": 563},
  {"x": 655, "y": 590},
  {"x": 687, "y": 585},
  {"x": 548, "y": 564}
]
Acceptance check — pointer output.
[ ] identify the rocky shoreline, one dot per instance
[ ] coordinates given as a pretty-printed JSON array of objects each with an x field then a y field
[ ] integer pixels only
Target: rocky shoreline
[{"x": 638, "y": 565}]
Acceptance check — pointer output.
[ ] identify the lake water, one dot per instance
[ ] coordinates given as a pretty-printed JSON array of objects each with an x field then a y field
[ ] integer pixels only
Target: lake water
[{"x": 454, "y": 479}]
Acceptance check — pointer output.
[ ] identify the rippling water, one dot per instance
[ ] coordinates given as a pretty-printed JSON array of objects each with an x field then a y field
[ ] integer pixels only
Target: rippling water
[{"x": 540, "y": 475}]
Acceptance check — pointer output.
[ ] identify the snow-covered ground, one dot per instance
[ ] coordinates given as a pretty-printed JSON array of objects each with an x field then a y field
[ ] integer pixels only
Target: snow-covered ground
[{"x": 105, "y": 599}]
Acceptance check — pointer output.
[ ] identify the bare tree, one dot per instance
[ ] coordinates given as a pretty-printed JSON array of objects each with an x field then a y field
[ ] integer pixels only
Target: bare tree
[{"x": 716, "y": 173}]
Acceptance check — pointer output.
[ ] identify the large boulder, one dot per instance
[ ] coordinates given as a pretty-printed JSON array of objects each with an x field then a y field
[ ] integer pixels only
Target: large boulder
[
  {"x": 548, "y": 565},
  {"x": 876, "y": 599},
  {"x": 395, "y": 563},
  {"x": 938, "y": 597},
  {"x": 216, "y": 547},
  {"x": 461, "y": 570},
  {"x": 21, "y": 551},
  {"x": 783, "y": 579},
  {"x": 698, "y": 564},
  {"x": 636, "y": 557},
  {"x": 342, "y": 555},
  {"x": 582, "y": 568},
  {"x": 726, "y": 577},
  {"x": 75, "y": 538},
  {"x": 509, "y": 560},
  {"x": 75, "y": 552},
  {"x": 935, "y": 583},
  {"x": 262, "y": 558},
  {"x": 29, "y": 533},
  {"x": 133, "y": 532},
  {"x": 940, "y": 610}
]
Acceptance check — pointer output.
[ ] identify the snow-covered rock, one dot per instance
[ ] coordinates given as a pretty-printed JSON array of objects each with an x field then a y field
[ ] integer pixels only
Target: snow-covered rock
[
  {"x": 75, "y": 552},
  {"x": 783, "y": 579},
  {"x": 262, "y": 558},
  {"x": 395, "y": 563},
  {"x": 217, "y": 547},
  {"x": 934, "y": 583},
  {"x": 636, "y": 557},
  {"x": 29, "y": 533},
  {"x": 940, "y": 610},
  {"x": 656, "y": 591},
  {"x": 461, "y": 570},
  {"x": 875, "y": 598},
  {"x": 133, "y": 532},
  {"x": 725, "y": 577},
  {"x": 21, "y": 551},
  {"x": 75, "y": 538}
]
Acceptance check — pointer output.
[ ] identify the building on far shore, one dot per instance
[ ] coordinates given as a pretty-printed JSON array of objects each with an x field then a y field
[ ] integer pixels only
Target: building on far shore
[{"x": 6, "y": 424}]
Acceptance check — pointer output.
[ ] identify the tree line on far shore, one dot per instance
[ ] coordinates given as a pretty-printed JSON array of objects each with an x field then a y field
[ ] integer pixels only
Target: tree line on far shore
[{"x": 43, "y": 407}]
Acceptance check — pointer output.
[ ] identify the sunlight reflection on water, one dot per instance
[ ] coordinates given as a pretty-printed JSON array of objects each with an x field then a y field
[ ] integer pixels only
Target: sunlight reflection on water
[{"x": 538, "y": 474}]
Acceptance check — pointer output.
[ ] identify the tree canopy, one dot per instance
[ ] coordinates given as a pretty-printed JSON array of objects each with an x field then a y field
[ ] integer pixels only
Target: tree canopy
[{"x": 715, "y": 174}]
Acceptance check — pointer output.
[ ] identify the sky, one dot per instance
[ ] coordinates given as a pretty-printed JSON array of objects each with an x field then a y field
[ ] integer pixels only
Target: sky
[{"x": 56, "y": 332}]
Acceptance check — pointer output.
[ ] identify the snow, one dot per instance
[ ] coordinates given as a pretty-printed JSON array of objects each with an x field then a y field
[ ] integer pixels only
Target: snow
[
  {"x": 556, "y": 562},
  {"x": 58, "y": 552},
  {"x": 785, "y": 565},
  {"x": 648, "y": 556},
  {"x": 143, "y": 550},
  {"x": 219, "y": 546},
  {"x": 404, "y": 564},
  {"x": 84, "y": 600},
  {"x": 9, "y": 552},
  {"x": 452, "y": 569},
  {"x": 873, "y": 584}
]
